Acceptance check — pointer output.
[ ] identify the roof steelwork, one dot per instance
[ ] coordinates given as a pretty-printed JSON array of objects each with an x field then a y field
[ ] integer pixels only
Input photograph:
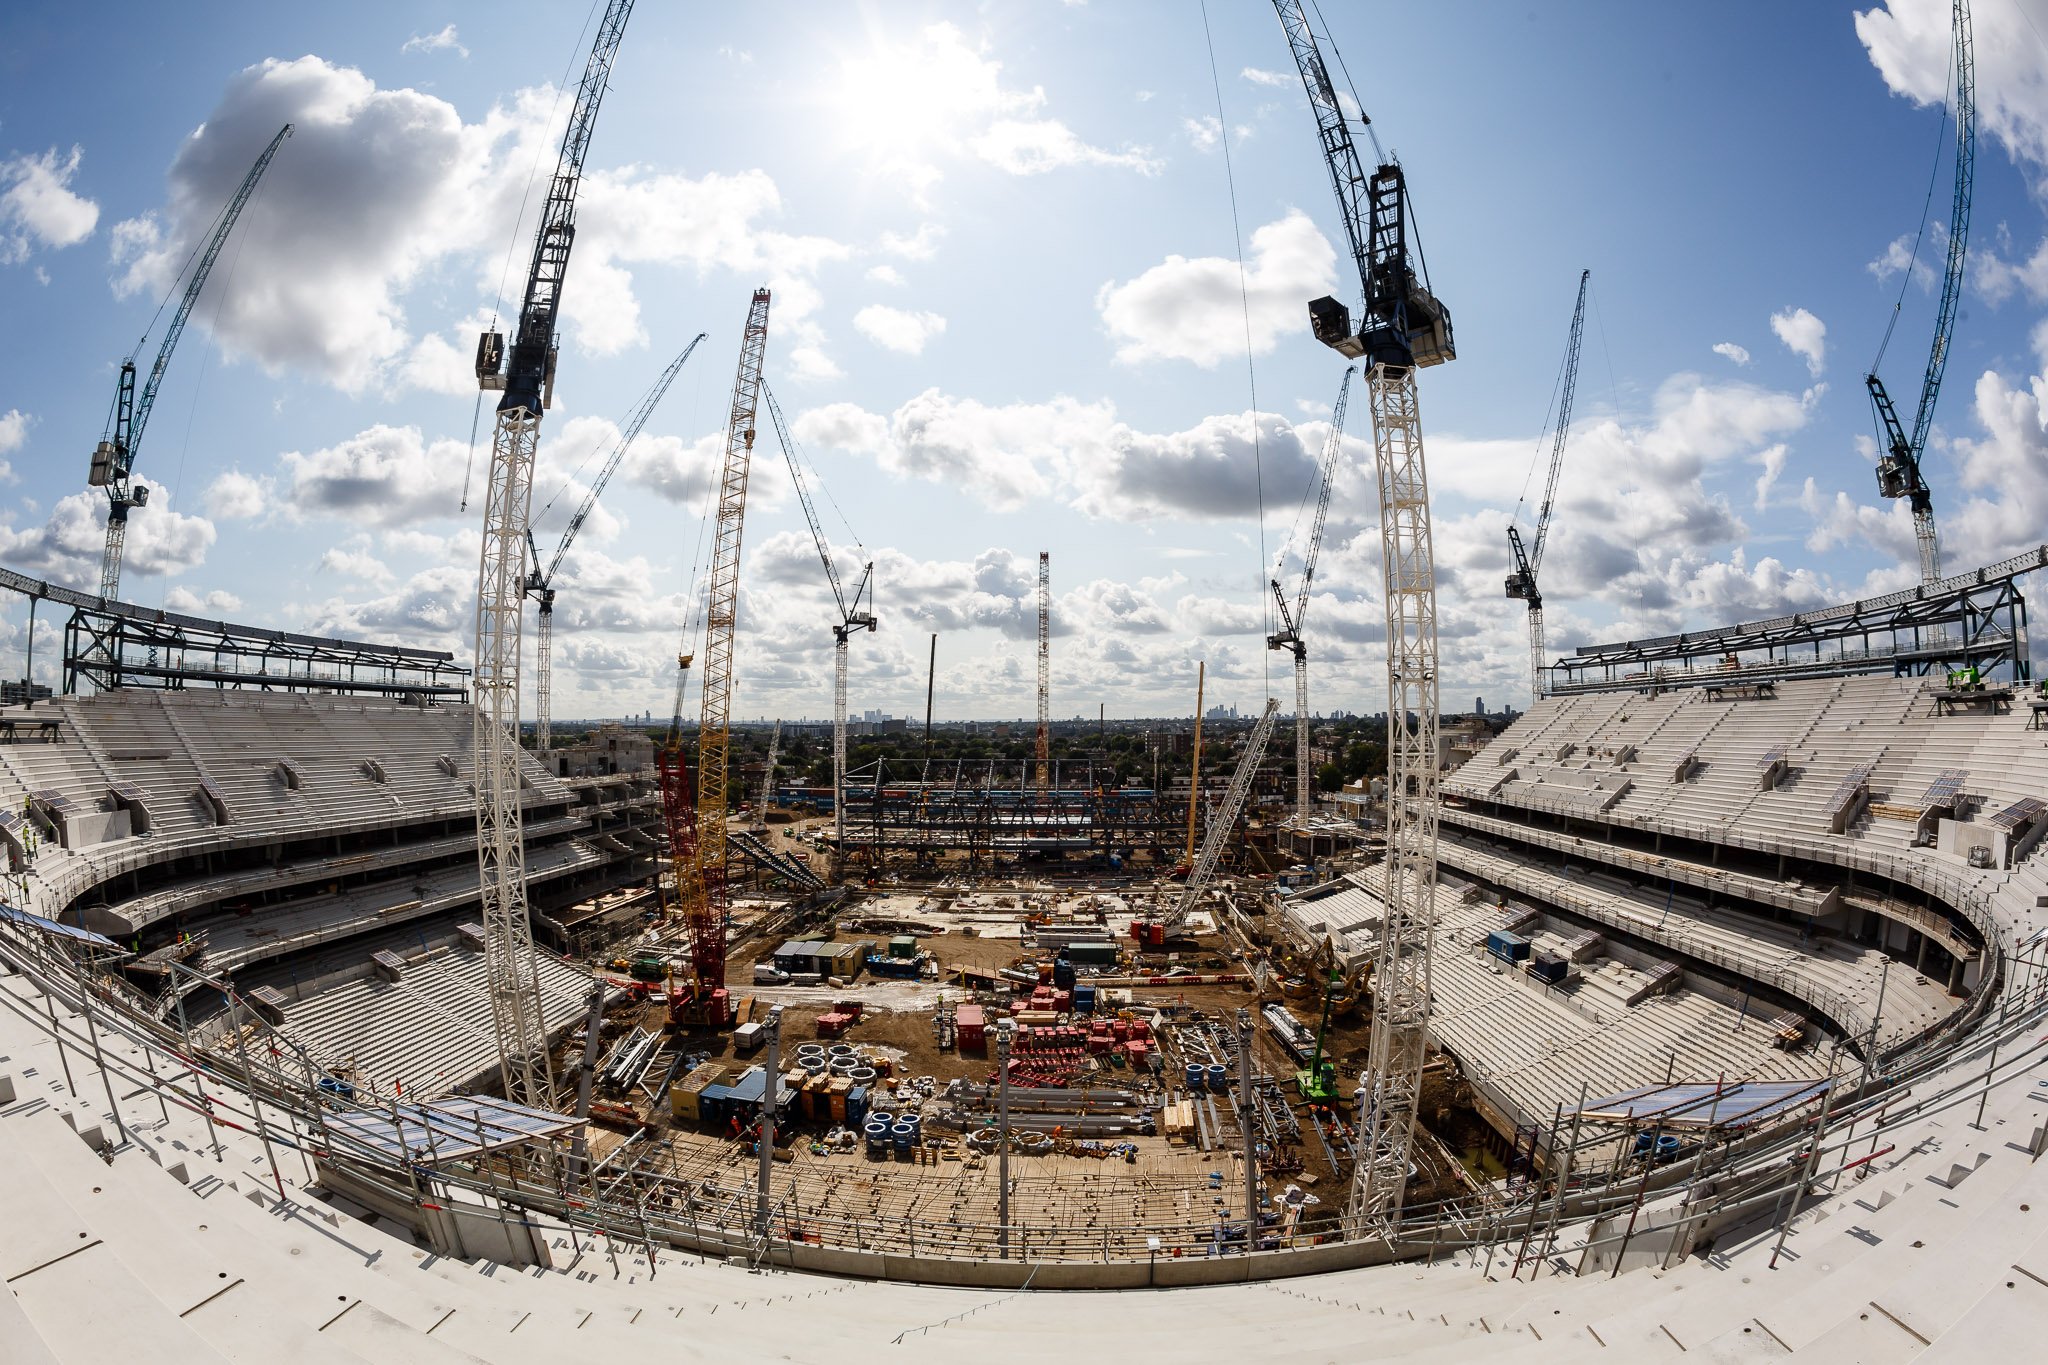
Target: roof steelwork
[
  {"x": 1976, "y": 619},
  {"x": 451, "y": 1129},
  {"x": 1703, "y": 1105},
  {"x": 119, "y": 644}
]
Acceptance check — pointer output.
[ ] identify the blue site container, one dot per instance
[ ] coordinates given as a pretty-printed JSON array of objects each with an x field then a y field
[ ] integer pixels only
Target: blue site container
[
  {"x": 856, "y": 1106},
  {"x": 1506, "y": 946},
  {"x": 1084, "y": 1000}
]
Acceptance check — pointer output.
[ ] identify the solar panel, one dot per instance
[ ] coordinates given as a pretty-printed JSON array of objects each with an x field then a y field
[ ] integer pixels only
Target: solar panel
[
  {"x": 1774, "y": 754},
  {"x": 1945, "y": 788},
  {"x": 2020, "y": 813}
]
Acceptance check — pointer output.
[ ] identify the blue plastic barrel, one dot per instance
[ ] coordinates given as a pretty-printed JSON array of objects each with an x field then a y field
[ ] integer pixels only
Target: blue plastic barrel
[
  {"x": 878, "y": 1137},
  {"x": 1219, "y": 1078},
  {"x": 905, "y": 1136},
  {"x": 1667, "y": 1147},
  {"x": 1196, "y": 1076}
]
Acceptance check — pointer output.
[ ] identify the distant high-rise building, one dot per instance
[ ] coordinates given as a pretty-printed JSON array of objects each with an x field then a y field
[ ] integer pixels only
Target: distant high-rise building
[{"x": 1479, "y": 706}]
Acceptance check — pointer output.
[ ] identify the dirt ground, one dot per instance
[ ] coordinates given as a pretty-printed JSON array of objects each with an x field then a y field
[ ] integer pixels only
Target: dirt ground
[{"x": 1169, "y": 1181}]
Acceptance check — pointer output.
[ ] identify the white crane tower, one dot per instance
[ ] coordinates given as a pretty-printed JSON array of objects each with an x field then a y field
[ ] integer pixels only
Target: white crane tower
[
  {"x": 1289, "y": 637},
  {"x": 852, "y": 617},
  {"x": 113, "y": 459},
  {"x": 527, "y": 378},
  {"x": 1522, "y": 581},
  {"x": 1402, "y": 328}
]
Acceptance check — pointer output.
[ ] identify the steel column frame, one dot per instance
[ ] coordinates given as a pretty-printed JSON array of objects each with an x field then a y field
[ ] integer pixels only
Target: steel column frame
[
  {"x": 1391, "y": 1087},
  {"x": 1536, "y": 670},
  {"x": 511, "y": 971}
]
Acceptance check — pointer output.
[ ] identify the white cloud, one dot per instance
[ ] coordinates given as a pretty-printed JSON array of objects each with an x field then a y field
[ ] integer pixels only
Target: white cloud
[
  {"x": 1998, "y": 278},
  {"x": 1773, "y": 462},
  {"x": 936, "y": 94},
  {"x": 885, "y": 274},
  {"x": 1909, "y": 44},
  {"x": 1204, "y": 132},
  {"x": 379, "y": 187},
  {"x": 1035, "y": 146},
  {"x": 444, "y": 41},
  {"x": 217, "y": 603},
  {"x": 234, "y": 496},
  {"x": 896, "y": 329},
  {"x": 381, "y": 476},
  {"x": 921, "y": 245},
  {"x": 1007, "y": 456},
  {"x": 69, "y": 546},
  {"x": 355, "y": 563},
  {"x": 38, "y": 207},
  {"x": 14, "y": 424},
  {"x": 1192, "y": 309},
  {"x": 1805, "y": 335},
  {"x": 1738, "y": 354},
  {"x": 1898, "y": 256},
  {"x": 1257, "y": 76}
]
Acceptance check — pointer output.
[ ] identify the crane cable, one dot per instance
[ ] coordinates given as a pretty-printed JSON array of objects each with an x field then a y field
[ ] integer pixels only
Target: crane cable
[
  {"x": 1251, "y": 366},
  {"x": 1926, "y": 214},
  {"x": 512, "y": 244}
]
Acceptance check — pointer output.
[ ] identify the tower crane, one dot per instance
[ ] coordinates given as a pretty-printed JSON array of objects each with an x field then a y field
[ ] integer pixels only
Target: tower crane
[
  {"x": 1899, "y": 474},
  {"x": 113, "y": 459},
  {"x": 1042, "y": 780},
  {"x": 1522, "y": 582},
  {"x": 852, "y": 617},
  {"x": 1288, "y": 637},
  {"x": 1223, "y": 820},
  {"x": 540, "y": 583},
  {"x": 705, "y": 892},
  {"x": 1402, "y": 328},
  {"x": 526, "y": 378}
]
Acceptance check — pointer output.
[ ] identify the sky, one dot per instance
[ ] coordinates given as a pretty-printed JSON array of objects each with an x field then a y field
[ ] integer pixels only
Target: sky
[{"x": 1039, "y": 273}]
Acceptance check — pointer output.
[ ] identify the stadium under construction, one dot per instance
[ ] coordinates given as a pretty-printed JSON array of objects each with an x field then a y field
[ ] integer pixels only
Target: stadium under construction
[{"x": 1702, "y": 1009}]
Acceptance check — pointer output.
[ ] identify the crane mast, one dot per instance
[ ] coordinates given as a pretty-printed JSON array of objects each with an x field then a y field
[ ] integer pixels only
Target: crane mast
[
  {"x": 852, "y": 617},
  {"x": 1042, "y": 779},
  {"x": 1522, "y": 582},
  {"x": 1899, "y": 473},
  {"x": 705, "y": 892},
  {"x": 1403, "y": 327},
  {"x": 526, "y": 380},
  {"x": 1289, "y": 636},
  {"x": 540, "y": 583},
  {"x": 113, "y": 460}
]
